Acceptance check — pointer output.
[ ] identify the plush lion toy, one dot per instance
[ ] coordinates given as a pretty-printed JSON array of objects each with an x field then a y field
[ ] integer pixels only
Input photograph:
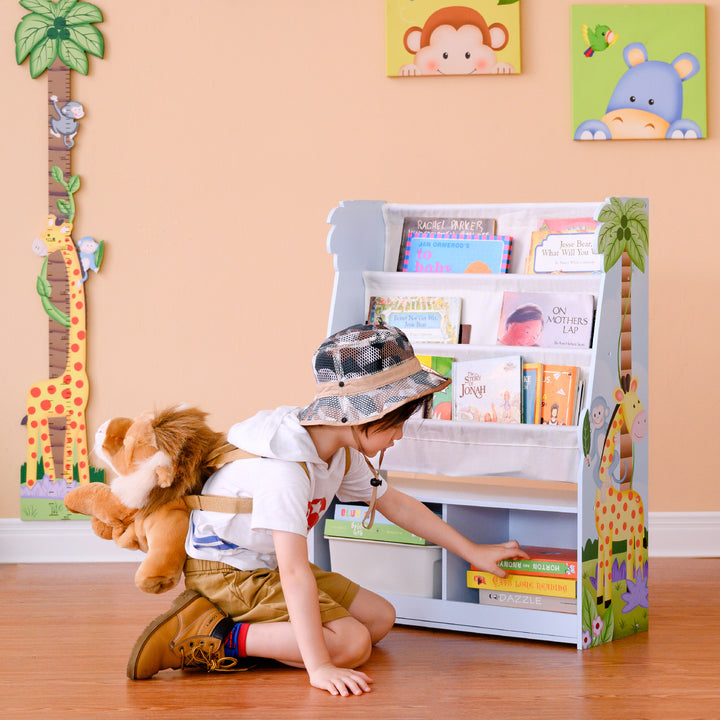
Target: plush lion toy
[{"x": 159, "y": 457}]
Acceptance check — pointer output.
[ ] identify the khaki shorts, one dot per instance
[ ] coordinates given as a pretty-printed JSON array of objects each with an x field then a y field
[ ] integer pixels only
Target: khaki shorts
[{"x": 257, "y": 596}]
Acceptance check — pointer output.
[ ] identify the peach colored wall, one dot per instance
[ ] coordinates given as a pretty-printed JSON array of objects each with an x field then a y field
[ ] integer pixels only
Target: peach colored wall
[{"x": 219, "y": 135}]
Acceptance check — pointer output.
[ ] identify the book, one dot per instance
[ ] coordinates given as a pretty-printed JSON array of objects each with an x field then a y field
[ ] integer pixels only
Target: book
[
  {"x": 381, "y": 532},
  {"x": 456, "y": 253},
  {"x": 546, "y": 319},
  {"x": 564, "y": 245},
  {"x": 421, "y": 318},
  {"x": 525, "y": 601},
  {"x": 543, "y": 561},
  {"x": 488, "y": 389},
  {"x": 532, "y": 392},
  {"x": 356, "y": 513},
  {"x": 529, "y": 584},
  {"x": 414, "y": 223},
  {"x": 559, "y": 394},
  {"x": 440, "y": 403}
]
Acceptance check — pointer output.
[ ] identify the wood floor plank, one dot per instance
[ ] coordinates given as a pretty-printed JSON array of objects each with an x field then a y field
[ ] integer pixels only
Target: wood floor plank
[{"x": 67, "y": 630}]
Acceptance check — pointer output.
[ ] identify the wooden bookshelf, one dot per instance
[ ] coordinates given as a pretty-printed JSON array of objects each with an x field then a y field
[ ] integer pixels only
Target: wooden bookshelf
[{"x": 463, "y": 465}]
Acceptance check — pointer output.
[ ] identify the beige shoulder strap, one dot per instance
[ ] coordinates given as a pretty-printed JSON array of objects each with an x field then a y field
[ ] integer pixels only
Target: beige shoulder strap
[{"x": 223, "y": 455}]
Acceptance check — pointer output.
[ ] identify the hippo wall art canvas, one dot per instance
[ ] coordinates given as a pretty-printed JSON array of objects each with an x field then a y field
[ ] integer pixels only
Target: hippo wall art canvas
[{"x": 639, "y": 72}]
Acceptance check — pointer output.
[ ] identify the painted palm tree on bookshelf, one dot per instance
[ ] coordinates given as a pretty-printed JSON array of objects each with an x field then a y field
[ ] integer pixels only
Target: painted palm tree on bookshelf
[
  {"x": 624, "y": 236},
  {"x": 58, "y": 37}
]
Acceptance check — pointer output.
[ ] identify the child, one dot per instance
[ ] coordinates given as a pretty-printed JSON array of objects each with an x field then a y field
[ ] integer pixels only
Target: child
[{"x": 252, "y": 591}]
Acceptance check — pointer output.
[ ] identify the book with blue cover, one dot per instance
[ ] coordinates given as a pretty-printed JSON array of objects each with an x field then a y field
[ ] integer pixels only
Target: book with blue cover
[{"x": 433, "y": 252}]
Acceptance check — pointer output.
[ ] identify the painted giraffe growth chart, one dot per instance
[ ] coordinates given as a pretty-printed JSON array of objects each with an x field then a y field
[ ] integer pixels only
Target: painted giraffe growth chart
[{"x": 57, "y": 37}]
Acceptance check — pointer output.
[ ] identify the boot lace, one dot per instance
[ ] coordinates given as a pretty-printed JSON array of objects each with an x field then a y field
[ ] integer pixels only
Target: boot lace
[{"x": 209, "y": 660}]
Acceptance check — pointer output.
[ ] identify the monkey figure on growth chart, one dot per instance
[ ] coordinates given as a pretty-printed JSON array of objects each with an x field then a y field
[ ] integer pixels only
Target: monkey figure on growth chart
[{"x": 66, "y": 124}]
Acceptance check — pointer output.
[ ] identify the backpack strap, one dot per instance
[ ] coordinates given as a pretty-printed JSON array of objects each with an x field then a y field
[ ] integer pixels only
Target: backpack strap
[{"x": 223, "y": 455}]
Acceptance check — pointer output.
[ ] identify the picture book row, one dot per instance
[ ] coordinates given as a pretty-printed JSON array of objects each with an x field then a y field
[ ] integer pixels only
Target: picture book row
[
  {"x": 505, "y": 390},
  {"x": 471, "y": 245},
  {"x": 545, "y": 581}
]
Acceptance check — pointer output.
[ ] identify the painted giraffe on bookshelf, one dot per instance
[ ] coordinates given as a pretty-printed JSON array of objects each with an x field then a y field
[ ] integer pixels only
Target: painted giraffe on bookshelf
[
  {"x": 619, "y": 514},
  {"x": 67, "y": 394}
]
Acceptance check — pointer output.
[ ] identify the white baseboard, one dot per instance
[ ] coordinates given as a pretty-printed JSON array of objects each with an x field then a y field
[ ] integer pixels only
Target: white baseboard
[{"x": 672, "y": 534}]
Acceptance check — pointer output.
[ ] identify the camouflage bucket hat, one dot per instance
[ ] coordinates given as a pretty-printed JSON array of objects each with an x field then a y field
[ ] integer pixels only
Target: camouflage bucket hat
[{"x": 365, "y": 372}]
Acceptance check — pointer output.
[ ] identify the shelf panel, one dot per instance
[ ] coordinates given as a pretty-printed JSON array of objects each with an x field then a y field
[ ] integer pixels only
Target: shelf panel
[
  {"x": 433, "y": 283},
  {"x": 485, "y": 619},
  {"x": 468, "y": 449},
  {"x": 555, "y": 497}
]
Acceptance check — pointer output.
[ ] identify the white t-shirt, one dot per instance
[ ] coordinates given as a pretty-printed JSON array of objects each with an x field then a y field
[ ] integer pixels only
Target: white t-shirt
[{"x": 283, "y": 496}]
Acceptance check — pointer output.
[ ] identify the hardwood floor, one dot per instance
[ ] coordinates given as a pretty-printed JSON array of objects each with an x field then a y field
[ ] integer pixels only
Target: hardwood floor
[{"x": 67, "y": 631}]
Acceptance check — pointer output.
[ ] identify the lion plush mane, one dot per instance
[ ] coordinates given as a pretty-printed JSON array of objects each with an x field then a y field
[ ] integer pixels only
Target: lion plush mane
[{"x": 159, "y": 457}]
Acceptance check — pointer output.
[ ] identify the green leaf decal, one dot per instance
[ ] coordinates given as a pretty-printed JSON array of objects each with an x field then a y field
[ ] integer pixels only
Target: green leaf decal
[
  {"x": 634, "y": 250},
  {"x": 73, "y": 184},
  {"x": 73, "y": 56},
  {"x": 56, "y": 173},
  {"x": 42, "y": 285},
  {"x": 43, "y": 7},
  {"x": 89, "y": 38},
  {"x": 54, "y": 313},
  {"x": 63, "y": 6},
  {"x": 586, "y": 434},
  {"x": 99, "y": 254},
  {"x": 82, "y": 13},
  {"x": 64, "y": 208},
  {"x": 613, "y": 253},
  {"x": 42, "y": 56},
  {"x": 31, "y": 31},
  {"x": 589, "y": 609},
  {"x": 608, "y": 630}
]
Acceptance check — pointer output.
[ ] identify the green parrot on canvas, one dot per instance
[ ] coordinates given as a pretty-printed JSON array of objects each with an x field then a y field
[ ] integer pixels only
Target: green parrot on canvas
[{"x": 599, "y": 39}]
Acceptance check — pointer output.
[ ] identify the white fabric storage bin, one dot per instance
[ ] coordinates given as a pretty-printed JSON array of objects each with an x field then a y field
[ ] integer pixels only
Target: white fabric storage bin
[{"x": 386, "y": 567}]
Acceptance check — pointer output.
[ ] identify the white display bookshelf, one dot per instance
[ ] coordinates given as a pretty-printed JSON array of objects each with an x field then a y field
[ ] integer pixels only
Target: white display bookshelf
[{"x": 495, "y": 482}]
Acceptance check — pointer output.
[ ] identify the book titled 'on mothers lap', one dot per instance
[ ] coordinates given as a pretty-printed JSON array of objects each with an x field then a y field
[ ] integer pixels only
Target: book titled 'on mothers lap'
[{"x": 546, "y": 319}]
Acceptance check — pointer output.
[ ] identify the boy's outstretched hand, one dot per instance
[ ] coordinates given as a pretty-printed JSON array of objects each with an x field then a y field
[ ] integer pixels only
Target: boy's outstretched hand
[
  {"x": 340, "y": 681},
  {"x": 487, "y": 557}
]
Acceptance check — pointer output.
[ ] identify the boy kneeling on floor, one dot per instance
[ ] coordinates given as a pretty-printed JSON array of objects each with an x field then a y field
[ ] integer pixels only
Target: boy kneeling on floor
[{"x": 252, "y": 591}]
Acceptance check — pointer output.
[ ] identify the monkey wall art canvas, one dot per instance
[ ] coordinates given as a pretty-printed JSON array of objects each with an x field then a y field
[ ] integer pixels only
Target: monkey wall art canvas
[
  {"x": 639, "y": 72},
  {"x": 432, "y": 37}
]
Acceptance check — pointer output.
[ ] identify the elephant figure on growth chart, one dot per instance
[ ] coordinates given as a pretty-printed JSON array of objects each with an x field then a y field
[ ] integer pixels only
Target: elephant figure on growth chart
[{"x": 647, "y": 102}]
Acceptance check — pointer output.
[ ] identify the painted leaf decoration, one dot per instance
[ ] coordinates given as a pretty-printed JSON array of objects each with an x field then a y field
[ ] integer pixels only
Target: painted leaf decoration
[
  {"x": 82, "y": 13},
  {"x": 613, "y": 251},
  {"x": 99, "y": 254},
  {"x": 73, "y": 56},
  {"x": 57, "y": 174},
  {"x": 639, "y": 218},
  {"x": 73, "y": 184},
  {"x": 42, "y": 7},
  {"x": 63, "y": 6},
  {"x": 42, "y": 285},
  {"x": 608, "y": 626},
  {"x": 42, "y": 56},
  {"x": 633, "y": 204},
  {"x": 589, "y": 609},
  {"x": 89, "y": 38},
  {"x": 607, "y": 232},
  {"x": 64, "y": 207},
  {"x": 54, "y": 313},
  {"x": 586, "y": 434},
  {"x": 617, "y": 206},
  {"x": 634, "y": 250},
  {"x": 31, "y": 31},
  {"x": 607, "y": 214}
]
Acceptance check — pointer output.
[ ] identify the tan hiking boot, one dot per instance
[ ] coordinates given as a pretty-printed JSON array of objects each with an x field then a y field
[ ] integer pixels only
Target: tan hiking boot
[{"x": 189, "y": 635}]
